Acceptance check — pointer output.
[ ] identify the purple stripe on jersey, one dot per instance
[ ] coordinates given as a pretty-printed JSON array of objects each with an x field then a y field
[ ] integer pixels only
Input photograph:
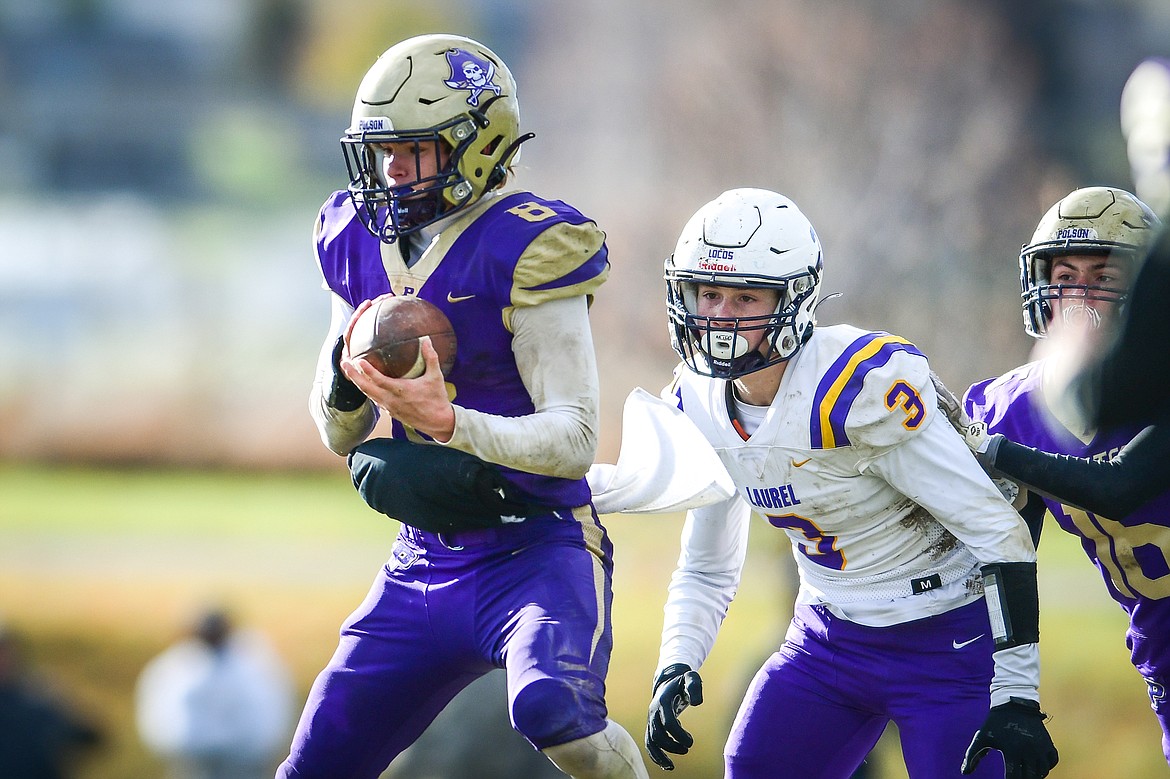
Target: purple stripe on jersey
[{"x": 844, "y": 380}]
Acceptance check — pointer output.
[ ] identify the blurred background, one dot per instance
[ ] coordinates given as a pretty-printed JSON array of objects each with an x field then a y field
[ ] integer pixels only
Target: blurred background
[{"x": 161, "y": 165}]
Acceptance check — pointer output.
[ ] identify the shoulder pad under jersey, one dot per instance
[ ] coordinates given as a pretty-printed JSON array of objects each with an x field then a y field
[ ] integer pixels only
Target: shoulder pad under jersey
[
  {"x": 989, "y": 400},
  {"x": 566, "y": 255},
  {"x": 876, "y": 393}
]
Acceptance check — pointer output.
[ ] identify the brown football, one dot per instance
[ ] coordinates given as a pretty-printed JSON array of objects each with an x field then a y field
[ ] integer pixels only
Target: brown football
[{"x": 388, "y": 332}]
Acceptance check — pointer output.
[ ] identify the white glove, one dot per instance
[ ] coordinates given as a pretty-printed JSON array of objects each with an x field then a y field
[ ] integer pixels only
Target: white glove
[{"x": 975, "y": 435}]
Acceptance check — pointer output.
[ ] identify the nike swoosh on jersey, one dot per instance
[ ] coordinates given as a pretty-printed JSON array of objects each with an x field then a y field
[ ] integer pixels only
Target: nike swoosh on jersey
[
  {"x": 802, "y": 463},
  {"x": 961, "y": 644},
  {"x": 456, "y": 298}
]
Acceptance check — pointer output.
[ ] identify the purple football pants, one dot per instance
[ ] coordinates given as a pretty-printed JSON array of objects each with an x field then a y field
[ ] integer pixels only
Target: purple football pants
[
  {"x": 533, "y": 598},
  {"x": 1152, "y": 658},
  {"x": 818, "y": 705}
]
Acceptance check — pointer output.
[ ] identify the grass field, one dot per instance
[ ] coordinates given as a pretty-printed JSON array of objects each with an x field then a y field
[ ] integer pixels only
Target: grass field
[{"x": 99, "y": 569}]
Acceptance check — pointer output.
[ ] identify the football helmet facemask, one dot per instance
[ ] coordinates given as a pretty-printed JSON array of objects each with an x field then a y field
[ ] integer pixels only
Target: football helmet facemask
[
  {"x": 1094, "y": 220},
  {"x": 441, "y": 93},
  {"x": 745, "y": 238}
]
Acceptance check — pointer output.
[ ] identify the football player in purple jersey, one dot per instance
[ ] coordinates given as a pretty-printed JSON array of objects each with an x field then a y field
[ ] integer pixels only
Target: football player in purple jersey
[
  {"x": 501, "y": 561},
  {"x": 917, "y": 601},
  {"x": 1108, "y": 486}
]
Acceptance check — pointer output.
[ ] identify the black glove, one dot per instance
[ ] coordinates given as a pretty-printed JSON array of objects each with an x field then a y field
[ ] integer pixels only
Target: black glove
[
  {"x": 676, "y": 688},
  {"x": 1016, "y": 729},
  {"x": 343, "y": 393}
]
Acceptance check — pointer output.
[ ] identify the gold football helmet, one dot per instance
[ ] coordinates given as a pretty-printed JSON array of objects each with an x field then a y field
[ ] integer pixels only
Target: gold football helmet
[
  {"x": 1094, "y": 220},
  {"x": 443, "y": 93}
]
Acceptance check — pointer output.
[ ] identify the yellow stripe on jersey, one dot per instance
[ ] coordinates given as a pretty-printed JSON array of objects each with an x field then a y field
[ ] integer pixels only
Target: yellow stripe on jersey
[
  {"x": 830, "y": 419},
  {"x": 594, "y": 536}
]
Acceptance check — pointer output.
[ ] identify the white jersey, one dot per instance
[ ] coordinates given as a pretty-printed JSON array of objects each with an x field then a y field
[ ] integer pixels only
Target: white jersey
[{"x": 889, "y": 515}]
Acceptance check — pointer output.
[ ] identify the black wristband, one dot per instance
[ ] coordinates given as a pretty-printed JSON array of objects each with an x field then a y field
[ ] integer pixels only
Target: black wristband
[
  {"x": 344, "y": 395},
  {"x": 1013, "y": 603}
]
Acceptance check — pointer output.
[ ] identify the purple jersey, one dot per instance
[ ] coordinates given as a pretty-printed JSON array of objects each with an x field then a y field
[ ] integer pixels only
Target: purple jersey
[
  {"x": 1127, "y": 550},
  {"x": 517, "y": 249},
  {"x": 1130, "y": 551}
]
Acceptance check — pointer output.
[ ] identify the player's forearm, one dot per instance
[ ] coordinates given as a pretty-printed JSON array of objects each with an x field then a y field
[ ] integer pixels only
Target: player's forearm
[
  {"x": 1113, "y": 488},
  {"x": 713, "y": 552},
  {"x": 1017, "y": 674},
  {"x": 696, "y": 605},
  {"x": 554, "y": 354},
  {"x": 340, "y": 431},
  {"x": 558, "y": 442}
]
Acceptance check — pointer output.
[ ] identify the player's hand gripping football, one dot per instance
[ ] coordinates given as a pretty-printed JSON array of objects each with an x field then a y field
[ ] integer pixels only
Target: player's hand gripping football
[
  {"x": 1016, "y": 729},
  {"x": 421, "y": 403},
  {"x": 676, "y": 688}
]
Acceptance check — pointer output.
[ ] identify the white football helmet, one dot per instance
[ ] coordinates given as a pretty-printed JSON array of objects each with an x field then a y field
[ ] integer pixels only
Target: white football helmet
[
  {"x": 744, "y": 238},
  {"x": 443, "y": 92},
  {"x": 1093, "y": 220}
]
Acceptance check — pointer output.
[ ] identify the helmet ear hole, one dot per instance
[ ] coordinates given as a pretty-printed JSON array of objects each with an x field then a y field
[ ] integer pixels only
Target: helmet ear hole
[{"x": 490, "y": 148}]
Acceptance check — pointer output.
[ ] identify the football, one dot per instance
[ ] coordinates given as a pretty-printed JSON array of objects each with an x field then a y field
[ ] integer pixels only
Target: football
[{"x": 388, "y": 332}]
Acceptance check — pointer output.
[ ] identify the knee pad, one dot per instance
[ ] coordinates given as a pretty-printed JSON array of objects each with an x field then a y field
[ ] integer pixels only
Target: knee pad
[{"x": 548, "y": 712}]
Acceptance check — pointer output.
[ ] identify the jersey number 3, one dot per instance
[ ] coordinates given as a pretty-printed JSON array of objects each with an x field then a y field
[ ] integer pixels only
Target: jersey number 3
[
  {"x": 821, "y": 548},
  {"x": 902, "y": 395}
]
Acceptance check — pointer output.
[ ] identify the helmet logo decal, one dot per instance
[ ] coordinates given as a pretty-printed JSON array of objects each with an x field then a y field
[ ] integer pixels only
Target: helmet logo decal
[
  {"x": 712, "y": 260},
  {"x": 1076, "y": 234},
  {"x": 472, "y": 73},
  {"x": 374, "y": 124}
]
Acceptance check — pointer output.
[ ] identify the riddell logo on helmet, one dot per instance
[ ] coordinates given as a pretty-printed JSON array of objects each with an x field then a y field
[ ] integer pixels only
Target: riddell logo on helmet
[
  {"x": 1076, "y": 234},
  {"x": 711, "y": 261}
]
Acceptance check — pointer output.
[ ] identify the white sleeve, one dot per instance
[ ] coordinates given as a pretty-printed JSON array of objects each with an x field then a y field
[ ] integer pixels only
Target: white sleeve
[
  {"x": 937, "y": 471},
  {"x": 714, "y": 547},
  {"x": 339, "y": 430},
  {"x": 665, "y": 464},
  {"x": 554, "y": 353},
  {"x": 1017, "y": 674}
]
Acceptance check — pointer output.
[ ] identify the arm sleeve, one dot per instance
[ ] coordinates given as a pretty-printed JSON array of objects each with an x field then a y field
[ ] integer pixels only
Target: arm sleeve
[
  {"x": 553, "y": 346},
  {"x": 966, "y": 502},
  {"x": 1016, "y": 674},
  {"x": 1115, "y": 488},
  {"x": 714, "y": 547},
  {"x": 341, "y": 431},
  {"x": 957, "y": 493}
]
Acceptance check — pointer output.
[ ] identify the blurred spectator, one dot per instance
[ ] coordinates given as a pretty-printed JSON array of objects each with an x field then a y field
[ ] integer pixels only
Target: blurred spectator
[
  {"x": 40, "y": 736},
  {"x": 217, "y": 704}
]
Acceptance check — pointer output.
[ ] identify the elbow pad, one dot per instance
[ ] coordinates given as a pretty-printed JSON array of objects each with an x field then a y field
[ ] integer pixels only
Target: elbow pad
[{"x": 1013, "y": 603}]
